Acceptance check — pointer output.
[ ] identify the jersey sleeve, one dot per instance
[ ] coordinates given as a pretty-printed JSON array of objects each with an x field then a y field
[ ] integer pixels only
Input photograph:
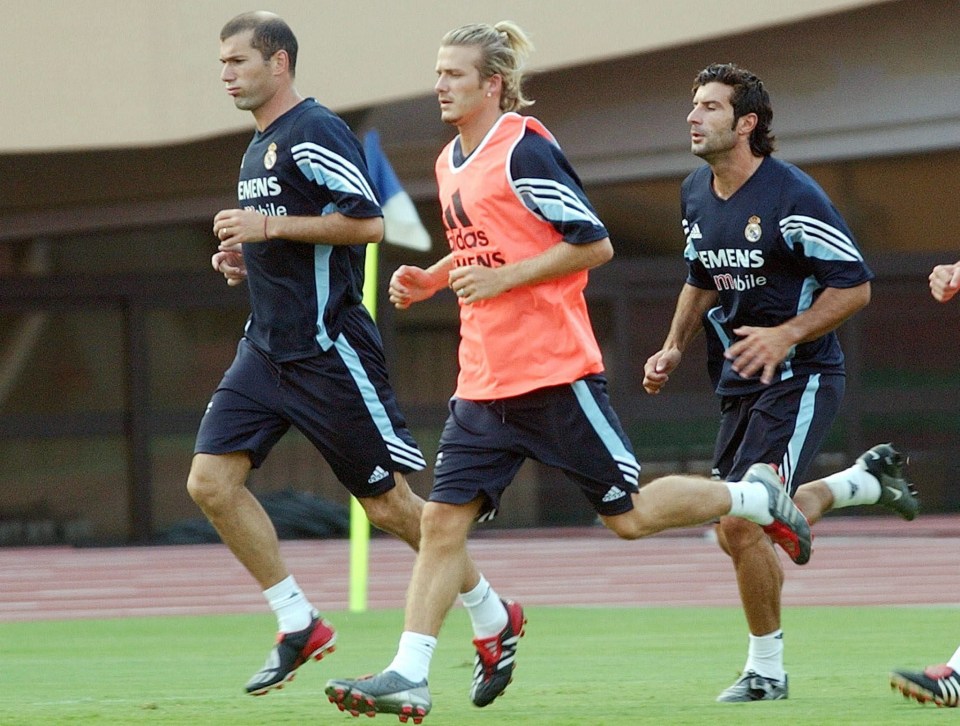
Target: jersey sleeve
[
  {"x": 330, "y": 156},
  {"x": 814, "y": 230},
  {"x": 549, "y": 187}
]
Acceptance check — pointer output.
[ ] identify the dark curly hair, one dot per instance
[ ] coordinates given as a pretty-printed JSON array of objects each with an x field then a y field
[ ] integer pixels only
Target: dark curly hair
[{"x": 749, "y": 96}]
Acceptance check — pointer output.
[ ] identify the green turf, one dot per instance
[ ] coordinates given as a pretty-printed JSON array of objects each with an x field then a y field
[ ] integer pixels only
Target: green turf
[{"x": 576, "y": 666}]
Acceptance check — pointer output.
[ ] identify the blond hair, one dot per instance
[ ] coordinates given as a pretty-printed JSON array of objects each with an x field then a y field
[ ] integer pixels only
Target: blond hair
[{"x": 504, "y": 48}]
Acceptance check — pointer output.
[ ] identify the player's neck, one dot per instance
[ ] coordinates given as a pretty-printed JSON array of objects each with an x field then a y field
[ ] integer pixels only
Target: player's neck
[
  {"x": 473, "y": 131},
  {"x": 732, "y": 172},
  {"x": 281, "y": 102}
]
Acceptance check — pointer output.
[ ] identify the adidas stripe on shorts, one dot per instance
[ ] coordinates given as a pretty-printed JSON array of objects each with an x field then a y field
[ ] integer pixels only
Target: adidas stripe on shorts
[
  {"x": 340, "y": 399},
  {"x": 571, "y": 427},
  {"x": 783, "y": 424}
]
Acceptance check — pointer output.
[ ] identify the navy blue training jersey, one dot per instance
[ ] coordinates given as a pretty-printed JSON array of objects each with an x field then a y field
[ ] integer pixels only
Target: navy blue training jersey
[
  {"x": 543, "y": 178},
  {"x": 305, "y": 163},
  {"x": 769, "y": 251}
]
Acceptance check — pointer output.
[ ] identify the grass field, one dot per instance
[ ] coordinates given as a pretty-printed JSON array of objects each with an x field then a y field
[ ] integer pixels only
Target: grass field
[{"x": 575, "y": 666}]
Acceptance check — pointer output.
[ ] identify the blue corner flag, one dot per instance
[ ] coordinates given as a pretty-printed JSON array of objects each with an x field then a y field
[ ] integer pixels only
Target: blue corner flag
[{"x": 401, "y": 223}]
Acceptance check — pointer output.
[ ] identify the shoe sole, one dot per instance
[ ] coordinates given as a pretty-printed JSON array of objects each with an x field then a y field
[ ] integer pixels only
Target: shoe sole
[
  {"x": 356, "y": 702},
  {"x": 749, "y": 700},
  {"x": 906, "y": 513},
  {"x": 318, "y": 654},
  {"x": 909, "y": 689}
]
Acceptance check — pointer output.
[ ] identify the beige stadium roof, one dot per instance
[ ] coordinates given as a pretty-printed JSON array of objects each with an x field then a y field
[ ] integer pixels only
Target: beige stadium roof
[{"x": 88, "y": 74}]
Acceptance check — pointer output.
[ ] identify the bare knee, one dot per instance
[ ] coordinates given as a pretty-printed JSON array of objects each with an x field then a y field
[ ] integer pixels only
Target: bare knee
[
  {"x": 377, "y": 510},
  {"x": 213, "y": 478},
  {"x": 437, "y": 522},
  {"x": 396, "y": 511},
  {"x": 736, "y": 535},
  {"x": 201, "y": 486},
  {"x": 629, "y": 525},
  {"x": 445, "y": 526}
]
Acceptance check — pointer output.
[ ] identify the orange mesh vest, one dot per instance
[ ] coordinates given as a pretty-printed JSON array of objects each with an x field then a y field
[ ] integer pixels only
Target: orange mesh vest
[{"x": 529, "y": 337}]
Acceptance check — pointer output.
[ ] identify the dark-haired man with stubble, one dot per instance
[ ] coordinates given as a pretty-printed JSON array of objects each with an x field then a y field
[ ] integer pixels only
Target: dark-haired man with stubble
[{"x": 773, "y": 272}]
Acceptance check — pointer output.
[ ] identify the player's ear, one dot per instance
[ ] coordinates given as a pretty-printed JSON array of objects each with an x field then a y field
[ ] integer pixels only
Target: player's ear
[
  {"x": 746, "y": 124},
  {"x": 280, "y": 62},
  {"x": 494, "y": 84}
]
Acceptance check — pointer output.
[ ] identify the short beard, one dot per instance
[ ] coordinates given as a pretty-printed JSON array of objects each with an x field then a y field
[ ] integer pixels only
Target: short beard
[
  {"x": 245, "y": 103},
  {"x": 710, "y": 151}
]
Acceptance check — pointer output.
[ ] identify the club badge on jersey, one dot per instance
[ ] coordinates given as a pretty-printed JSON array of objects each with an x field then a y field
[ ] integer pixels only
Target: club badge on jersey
[
  {"x": 270, "y": 158},
  {"x": 752, "y": 231}
]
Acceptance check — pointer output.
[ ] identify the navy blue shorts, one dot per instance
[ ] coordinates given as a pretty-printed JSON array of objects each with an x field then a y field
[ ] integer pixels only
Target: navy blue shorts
[
  {"x": 784, "y": 424},
  {"x": 571, "y": 427},
  {"x": 340, "y": 399}
]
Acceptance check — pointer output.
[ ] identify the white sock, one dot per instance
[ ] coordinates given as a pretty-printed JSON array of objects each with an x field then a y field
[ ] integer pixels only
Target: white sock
[
  {"x": 765, "y": 655},
  {"x": 750, "y": 501},
  {"x": 294, "y": 612},
  {"x": 487, "y": 613},
  {"x": 954, "y": 661},
  {"x": 412, "y": 660},
  {"x": 853, "y": 486}
]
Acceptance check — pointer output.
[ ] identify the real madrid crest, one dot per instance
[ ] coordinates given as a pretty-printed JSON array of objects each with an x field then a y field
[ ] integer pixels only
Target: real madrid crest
[
  {"x": 752, "y": 231},
  {"x": 270, "y": 158}
]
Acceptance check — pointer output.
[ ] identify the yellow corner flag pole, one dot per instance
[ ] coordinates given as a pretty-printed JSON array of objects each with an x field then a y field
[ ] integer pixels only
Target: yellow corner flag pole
[
  {"x": 359, "y": 525},
  {"x": 402, "y": 226}
]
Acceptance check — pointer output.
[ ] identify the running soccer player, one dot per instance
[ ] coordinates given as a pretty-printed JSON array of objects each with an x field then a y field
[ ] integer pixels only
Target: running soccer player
[
  {"x": 522, "y": 236},
  {"x": 310, "y": 356},
  {"x": 773, "y": 271},
  {"x": 938, "y": 683}
]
